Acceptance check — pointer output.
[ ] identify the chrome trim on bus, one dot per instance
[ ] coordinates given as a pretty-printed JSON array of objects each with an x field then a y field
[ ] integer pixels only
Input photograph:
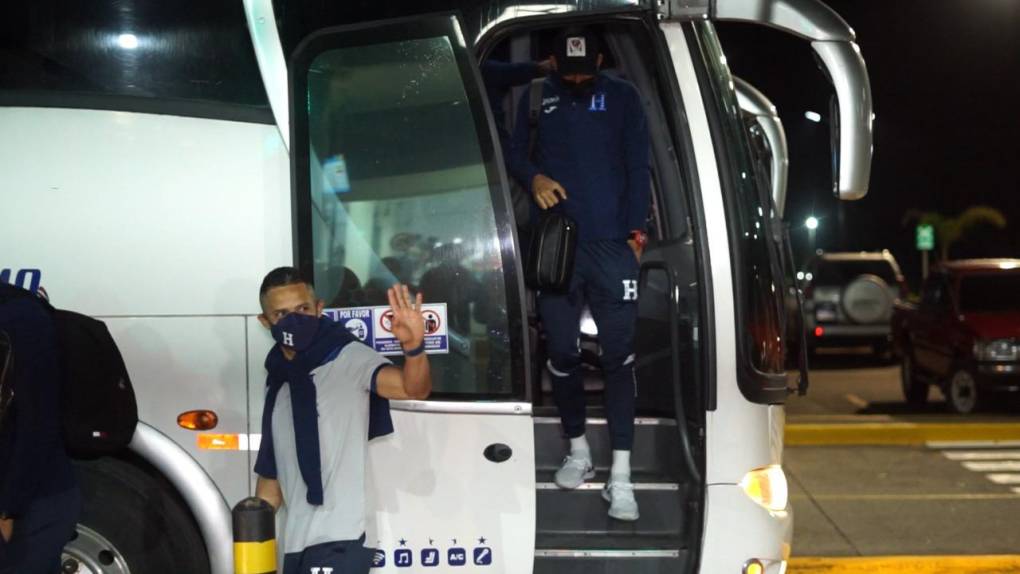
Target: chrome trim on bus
[
  {"x": 833, "y": 41},
  {"x": 265, "y": 39},
  {"x": 205, "y": 501},
  {"x": 639, "y": 421},
  {"x": 553, "y": 553},
  {"x": 462, "y": 408},
  {"x": 754, "y": 102},
  {"x": 656, "y": 486}
]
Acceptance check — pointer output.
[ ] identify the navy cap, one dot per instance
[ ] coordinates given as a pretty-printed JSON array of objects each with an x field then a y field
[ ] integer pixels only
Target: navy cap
[{"x": 576, "y": 51}]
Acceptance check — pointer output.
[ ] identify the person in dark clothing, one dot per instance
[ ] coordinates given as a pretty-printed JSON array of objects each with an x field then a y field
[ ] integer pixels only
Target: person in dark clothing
[
  {"x": 39, "y": 497},
  {"x": 591, "y": 162}
]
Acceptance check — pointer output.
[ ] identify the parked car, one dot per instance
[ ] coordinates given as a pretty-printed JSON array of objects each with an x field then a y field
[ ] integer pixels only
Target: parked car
[
  {"x": 964, "y": 335},
  {"x": 849, "y": 297}
]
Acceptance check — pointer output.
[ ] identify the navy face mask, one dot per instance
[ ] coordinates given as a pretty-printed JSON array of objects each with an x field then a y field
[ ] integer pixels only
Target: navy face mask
[{"x": 296, "y": 331}]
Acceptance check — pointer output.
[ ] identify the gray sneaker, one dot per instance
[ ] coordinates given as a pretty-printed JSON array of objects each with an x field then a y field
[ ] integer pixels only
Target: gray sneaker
[
  {"x": 574, "y": 471},
  {"x": 620, "y": 496}
]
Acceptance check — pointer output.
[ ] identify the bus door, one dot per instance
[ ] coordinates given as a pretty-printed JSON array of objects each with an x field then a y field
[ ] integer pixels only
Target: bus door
[{"x": 396, "y": 177}]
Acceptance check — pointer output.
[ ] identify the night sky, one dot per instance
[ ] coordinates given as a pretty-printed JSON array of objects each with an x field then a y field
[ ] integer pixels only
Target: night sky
[{"x": 945, "y": 79}]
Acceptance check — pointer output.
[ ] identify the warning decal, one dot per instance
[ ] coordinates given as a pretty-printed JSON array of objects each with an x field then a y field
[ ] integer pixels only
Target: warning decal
[{"x": 373, "y": 326}]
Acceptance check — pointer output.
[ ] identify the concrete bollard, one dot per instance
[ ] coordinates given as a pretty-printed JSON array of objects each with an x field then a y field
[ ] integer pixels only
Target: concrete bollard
[{"x": 254, "y": 537}]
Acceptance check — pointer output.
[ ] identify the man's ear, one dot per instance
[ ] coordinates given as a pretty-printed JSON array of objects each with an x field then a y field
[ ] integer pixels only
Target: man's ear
[
  {"x": 265, "y": 321},
  {"x": 555, "y": 66},
  {"x": 598, "y": 61},
  {"x": 319, "y": 306}
]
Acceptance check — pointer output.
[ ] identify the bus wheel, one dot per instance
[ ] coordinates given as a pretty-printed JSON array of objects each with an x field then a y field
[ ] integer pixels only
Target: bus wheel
[{"x": 132, "y": 523}]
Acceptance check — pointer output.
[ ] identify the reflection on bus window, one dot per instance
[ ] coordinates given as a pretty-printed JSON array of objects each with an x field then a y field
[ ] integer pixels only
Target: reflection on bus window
[{"x": 399, "y": 193}]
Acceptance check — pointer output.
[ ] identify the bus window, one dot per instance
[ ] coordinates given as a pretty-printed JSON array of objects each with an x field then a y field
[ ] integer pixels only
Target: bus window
[
  {"x": 190, "y": 58},
  {"x": 756, "y": 270},
  {"x": 399, "y": 191}
]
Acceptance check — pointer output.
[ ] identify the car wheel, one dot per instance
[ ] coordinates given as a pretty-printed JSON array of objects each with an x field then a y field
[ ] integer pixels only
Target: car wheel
[
  {"x": 131, "y": 523},
  {"x": 962, "y": 394},
  {"x": 914, "y": 390}
]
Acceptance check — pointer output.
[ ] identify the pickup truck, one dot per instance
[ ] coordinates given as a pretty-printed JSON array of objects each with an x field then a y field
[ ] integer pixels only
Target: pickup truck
[{"x": 964, "y": 335}]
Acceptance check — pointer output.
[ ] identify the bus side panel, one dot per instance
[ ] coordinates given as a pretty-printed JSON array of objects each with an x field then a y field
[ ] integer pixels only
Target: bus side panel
[
  {"x": 129, "y": 214},
  {"x": 184, "y": 363},
  {"x": 737, "y": 529}
]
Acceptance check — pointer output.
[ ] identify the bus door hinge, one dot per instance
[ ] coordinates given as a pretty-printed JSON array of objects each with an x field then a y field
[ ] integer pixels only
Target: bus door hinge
[{"x": 683, "y": 9}]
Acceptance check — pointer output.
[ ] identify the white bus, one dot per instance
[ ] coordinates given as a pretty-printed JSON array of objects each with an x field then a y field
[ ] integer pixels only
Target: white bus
[{"x": 157, "y": 159}]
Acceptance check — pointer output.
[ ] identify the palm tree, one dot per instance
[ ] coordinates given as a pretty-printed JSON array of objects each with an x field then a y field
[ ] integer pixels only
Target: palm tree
[{"x": 949, "y": 230}]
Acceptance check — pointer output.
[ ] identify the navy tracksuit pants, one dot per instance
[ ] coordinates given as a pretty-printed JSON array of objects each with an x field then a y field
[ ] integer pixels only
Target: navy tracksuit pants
[
  {"x": 40, "y": 534},
  {"x": 605, "y": 277},
  {"x": 341, "y": 557}
]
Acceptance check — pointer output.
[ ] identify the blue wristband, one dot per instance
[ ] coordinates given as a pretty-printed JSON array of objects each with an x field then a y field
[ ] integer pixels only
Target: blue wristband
[{"x": 416, "y": 351}]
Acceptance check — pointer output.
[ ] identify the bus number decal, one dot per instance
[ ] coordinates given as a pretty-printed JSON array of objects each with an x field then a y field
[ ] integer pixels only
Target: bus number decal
[{"x": 28, "y": 279}]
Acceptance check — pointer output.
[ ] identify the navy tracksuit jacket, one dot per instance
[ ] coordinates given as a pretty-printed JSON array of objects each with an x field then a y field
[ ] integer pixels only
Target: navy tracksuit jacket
[{"x": 597, "y": 147}]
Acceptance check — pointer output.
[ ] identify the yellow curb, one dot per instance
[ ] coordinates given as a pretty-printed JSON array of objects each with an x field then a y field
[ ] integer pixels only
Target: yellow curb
[
  {"x": 897, "y": 433},
  {"x": 907, "y": 565}
]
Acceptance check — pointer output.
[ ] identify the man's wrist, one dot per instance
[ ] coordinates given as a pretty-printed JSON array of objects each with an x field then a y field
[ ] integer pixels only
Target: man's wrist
[
  {"x": 415, "y": 351},
  {"x": 638, "y": 236}
]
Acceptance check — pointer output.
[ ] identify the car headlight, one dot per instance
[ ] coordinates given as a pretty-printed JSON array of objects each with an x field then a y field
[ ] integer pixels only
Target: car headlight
[
  {"x": 997, "y": 350},
  {"x": 767, "y": 486}
]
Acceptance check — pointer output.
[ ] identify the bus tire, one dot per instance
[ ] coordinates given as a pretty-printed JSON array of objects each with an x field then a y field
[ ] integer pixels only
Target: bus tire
[{"x": 133, "y": 521}]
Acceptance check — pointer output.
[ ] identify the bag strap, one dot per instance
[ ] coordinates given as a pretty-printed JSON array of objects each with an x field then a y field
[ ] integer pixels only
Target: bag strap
[{"x": 534, "y": 112}]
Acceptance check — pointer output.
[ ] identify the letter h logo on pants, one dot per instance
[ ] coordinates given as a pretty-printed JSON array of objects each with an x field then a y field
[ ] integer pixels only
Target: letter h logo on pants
[
  {"x": 318, "y": 570},
  {"x": 629, "y": 290}
]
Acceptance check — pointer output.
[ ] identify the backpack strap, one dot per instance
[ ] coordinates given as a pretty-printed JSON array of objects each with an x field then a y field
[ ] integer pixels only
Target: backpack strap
[{"x": 534, "y": 112}]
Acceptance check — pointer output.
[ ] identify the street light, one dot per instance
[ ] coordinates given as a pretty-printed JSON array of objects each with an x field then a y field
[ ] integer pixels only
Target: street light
[{"x": 812, "y": 224}]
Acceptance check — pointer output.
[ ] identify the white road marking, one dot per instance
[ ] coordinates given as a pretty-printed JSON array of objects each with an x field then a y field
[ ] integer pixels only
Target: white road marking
[
  {"x": 857, "y": 401},
  {"x": 965, "y": 444},
  {"x": 1004, "y": 478},
  {"x": 993, "y": 465},
  {"x": 983, "y": 455}
]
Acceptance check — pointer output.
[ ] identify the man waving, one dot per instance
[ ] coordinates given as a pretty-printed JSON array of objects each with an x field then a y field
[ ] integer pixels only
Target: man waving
[{"x": 325, "y": 399}]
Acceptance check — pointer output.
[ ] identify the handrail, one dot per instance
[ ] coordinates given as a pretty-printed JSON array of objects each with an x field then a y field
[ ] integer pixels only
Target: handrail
[{"x": 674, "y": 335}]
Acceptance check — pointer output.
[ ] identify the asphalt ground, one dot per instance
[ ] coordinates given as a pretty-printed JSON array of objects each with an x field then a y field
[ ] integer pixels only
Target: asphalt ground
[{"x": 879, "y": 486}]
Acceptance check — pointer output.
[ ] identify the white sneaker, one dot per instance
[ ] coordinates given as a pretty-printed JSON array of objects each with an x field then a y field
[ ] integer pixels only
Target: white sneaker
[
  {"x": 620, "y": 496},
  {"x": 574, "y": 471}
]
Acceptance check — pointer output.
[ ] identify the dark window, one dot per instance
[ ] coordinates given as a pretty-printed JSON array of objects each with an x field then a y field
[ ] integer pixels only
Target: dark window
[
  {"x": 124, "y": 54},
  {"x": 933, "y": 295},
  {"x": 397, "y": 180},
  {"x": 839, "y": 273},
  {"x": 757, "y": 274},
  {"x": 990, "y": 293}
]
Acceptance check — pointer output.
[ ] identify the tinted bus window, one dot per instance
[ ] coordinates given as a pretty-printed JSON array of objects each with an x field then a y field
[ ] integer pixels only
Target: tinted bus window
[
  {"x": 751, "y": 222},
  {"x": 124, "y": 54},
  {"x": 399, "y": 192}
]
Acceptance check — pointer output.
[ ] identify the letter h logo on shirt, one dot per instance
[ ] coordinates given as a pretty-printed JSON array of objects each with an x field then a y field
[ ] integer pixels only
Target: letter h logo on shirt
[{"x": 598, "y": 102}]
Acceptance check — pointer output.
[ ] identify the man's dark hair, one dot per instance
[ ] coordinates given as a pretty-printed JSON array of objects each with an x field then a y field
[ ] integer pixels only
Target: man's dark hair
[{"x": 280, "y": 277}]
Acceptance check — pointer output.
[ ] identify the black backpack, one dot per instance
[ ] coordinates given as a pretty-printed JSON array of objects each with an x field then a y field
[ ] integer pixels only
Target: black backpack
[{"x": 98, "y": 409}]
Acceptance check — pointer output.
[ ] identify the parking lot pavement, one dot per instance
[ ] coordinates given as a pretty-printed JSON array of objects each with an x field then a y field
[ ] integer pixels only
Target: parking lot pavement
[
  {"x": 904, "y": 500},
  {"x": 851, "y": 385}
]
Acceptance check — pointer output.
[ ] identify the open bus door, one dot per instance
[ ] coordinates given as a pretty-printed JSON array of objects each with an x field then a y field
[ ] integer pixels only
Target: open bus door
[{"x": 375, "y": 203}]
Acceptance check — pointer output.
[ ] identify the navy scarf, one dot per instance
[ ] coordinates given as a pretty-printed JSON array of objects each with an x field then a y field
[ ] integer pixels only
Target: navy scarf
[{"x": 329, "y": 340}]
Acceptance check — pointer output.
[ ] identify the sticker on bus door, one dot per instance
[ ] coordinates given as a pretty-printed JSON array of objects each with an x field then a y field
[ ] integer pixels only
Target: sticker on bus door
[{"x": 373, "y": 326}]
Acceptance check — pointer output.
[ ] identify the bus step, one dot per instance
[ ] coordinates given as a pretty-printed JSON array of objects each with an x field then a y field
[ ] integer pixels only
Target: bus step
[
  {"x": 656, "y": 445},
  {"x": 583, "y": 512},
  {"x": 600, "y": 560}
]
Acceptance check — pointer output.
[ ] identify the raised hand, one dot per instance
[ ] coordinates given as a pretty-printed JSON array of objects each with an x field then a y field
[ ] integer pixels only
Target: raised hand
[{"x": 408, "y": 324}]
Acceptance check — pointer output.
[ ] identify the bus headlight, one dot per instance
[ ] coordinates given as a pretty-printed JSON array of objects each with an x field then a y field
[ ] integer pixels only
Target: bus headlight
[{"x": 767, "y": 486}]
